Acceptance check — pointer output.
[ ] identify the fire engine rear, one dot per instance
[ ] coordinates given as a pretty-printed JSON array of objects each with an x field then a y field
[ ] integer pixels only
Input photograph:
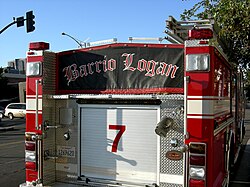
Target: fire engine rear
[{"x": 133, "y": 114}]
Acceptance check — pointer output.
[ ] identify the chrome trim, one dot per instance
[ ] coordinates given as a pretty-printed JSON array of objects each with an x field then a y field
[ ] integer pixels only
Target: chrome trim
[
  {"x": 103, "y": 96},
  {"x": 223, "y": 126}
]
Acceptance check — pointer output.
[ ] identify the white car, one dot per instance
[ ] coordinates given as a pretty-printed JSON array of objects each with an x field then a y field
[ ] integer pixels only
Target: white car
[
  {"x": 1, "y": 112},
  {"x": 15, "y": 110}
]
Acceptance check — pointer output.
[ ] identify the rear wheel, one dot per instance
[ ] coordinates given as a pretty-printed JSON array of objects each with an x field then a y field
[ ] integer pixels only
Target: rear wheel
[
  {"x": 231, "y": 157},
  {"x": 230, "y": 162},
  {"x": 10, "y": 115}
]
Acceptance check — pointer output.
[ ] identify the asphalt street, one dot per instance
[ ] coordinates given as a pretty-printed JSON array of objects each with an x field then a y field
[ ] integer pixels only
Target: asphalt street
[{"x": 12, "y": 168}]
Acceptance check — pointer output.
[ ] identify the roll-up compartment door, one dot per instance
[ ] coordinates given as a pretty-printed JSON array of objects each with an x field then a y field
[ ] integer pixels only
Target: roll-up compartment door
[{"x": 118, "y": 142}]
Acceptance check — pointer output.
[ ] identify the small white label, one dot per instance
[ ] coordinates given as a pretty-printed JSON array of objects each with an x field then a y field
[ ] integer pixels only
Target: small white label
[{"x": 66, "y": 151}]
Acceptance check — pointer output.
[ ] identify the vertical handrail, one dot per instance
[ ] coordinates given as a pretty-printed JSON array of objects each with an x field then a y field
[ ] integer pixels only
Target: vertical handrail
[
  {"x": 39, "y": 141},
  {"x": 39, "y": 172},
  {"x": 186, "y": 80},
  {"x": 36, "y": 115},
  {"x": 186, "y": 135}
]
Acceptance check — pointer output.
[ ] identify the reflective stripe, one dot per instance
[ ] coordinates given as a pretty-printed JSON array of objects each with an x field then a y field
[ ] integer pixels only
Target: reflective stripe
[
  {"x": 200, "y": 117},
  {"x": 200, "y": 107},
  {"x": 208, "y": 107},
  {"x": 36, "y": 53},
  {"x": 33, "y": 96},
  {"x": 208, "y": 97},
  {"x": 33, "y": 112},
  {"x": 31, "y": 104}
]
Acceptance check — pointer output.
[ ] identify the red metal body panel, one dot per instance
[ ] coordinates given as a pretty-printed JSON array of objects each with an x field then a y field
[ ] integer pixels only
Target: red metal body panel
[
  {"x": 219, "y": 167},
  {"x": 31, "y": 86},
  {"x": 200, "y": 82},
  {"x": 30, "y": 122},
  {"x": 30, "y": 114},
  {"x": 199, "y": 129},
  {"x": 211, "y": 87}
]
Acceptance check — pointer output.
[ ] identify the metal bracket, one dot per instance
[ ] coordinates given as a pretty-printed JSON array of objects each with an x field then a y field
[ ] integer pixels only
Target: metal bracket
[
  {"x": 36, "y": 137},
  {"x": 46, "y": 125},
  {"x": 186, "y": 136}
]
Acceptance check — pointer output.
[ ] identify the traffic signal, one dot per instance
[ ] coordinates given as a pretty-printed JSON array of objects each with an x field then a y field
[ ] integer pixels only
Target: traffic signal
[{"x": 30, "y": 21}]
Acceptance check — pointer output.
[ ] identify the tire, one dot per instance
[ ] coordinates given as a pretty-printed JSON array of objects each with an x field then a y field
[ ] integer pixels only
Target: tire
[
  {"x": 231, "y": 157},
  {"x": 10, "y": 115}
]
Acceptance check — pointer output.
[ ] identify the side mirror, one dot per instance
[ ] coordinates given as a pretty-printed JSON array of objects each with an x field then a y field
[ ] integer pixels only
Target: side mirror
[{"x": 164, "y": 126}]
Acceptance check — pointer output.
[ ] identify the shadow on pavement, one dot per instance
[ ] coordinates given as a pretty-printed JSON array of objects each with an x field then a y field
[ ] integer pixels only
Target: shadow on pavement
[
  {"x": 6, "y": 124},
  {"x": 241, "y": 177}
]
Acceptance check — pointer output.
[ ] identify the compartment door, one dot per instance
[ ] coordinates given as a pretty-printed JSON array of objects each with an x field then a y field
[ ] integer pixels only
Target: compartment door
[{"x": 119, "y": 143}]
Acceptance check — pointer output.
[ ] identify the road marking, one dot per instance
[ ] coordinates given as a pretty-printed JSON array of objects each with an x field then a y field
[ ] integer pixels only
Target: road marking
[
  {"x": 7, "y": 128},
  {"x": 11, "y": 143},
  {"x": 239, "y": 182},
  {"x": 12, "y": 161},
  {"x": 248, "y": 142}
]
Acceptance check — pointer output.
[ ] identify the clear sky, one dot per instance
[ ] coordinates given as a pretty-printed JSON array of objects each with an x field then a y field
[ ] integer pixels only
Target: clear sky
[{"x": 83, "y": 19}]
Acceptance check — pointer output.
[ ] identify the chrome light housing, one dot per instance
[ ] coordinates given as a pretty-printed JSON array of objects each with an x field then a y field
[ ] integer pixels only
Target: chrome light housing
[
  {"x": 198, "y": 62},
  {"x": 34, "y": 69},
  {"x": 30, "y": 156},
  {"x": 197, "y": 172}
]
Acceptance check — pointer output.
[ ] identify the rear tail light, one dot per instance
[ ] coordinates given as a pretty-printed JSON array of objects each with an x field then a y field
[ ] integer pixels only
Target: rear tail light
[
  {"x": 197, "y": 160},
  {"x": 38, "y": 46},
  {"x": 197, "y": 148},
  {"x": 200, "y": 34},
  {"x": 196, "y": 183},
  {"x": 30, "y": 151},
  {"x": 30, "y": 165},
  {"x": 197, "y": 164},
  {"x": 30, "y": 146}
]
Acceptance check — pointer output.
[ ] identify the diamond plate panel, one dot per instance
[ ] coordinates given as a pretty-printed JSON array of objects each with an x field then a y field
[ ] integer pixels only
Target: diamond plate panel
[
  {"x": 194, "y": 43},
  {"x": 171, "y": 107},
  {"x": 170, "y": 185},
  {"x": 49, "y": 73}
]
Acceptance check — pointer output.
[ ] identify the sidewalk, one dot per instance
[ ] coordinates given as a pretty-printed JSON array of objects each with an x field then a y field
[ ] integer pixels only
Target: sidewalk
[{"x": 242, "y": 173}]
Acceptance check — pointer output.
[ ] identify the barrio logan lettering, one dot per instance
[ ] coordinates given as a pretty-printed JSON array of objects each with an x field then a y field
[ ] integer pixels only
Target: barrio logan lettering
[{"x": 150, "y": 68}]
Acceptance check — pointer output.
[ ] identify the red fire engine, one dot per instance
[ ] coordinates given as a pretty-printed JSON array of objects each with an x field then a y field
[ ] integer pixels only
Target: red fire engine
[{"x": 134, "y": 114}]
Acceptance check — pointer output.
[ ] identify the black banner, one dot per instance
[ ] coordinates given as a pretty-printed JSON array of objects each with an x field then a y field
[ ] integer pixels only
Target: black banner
[{"x": 119, "y": 69}]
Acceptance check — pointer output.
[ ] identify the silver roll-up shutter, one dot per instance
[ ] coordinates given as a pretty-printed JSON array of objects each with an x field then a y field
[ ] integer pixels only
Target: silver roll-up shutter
[{"x": 118, "y": 142}]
